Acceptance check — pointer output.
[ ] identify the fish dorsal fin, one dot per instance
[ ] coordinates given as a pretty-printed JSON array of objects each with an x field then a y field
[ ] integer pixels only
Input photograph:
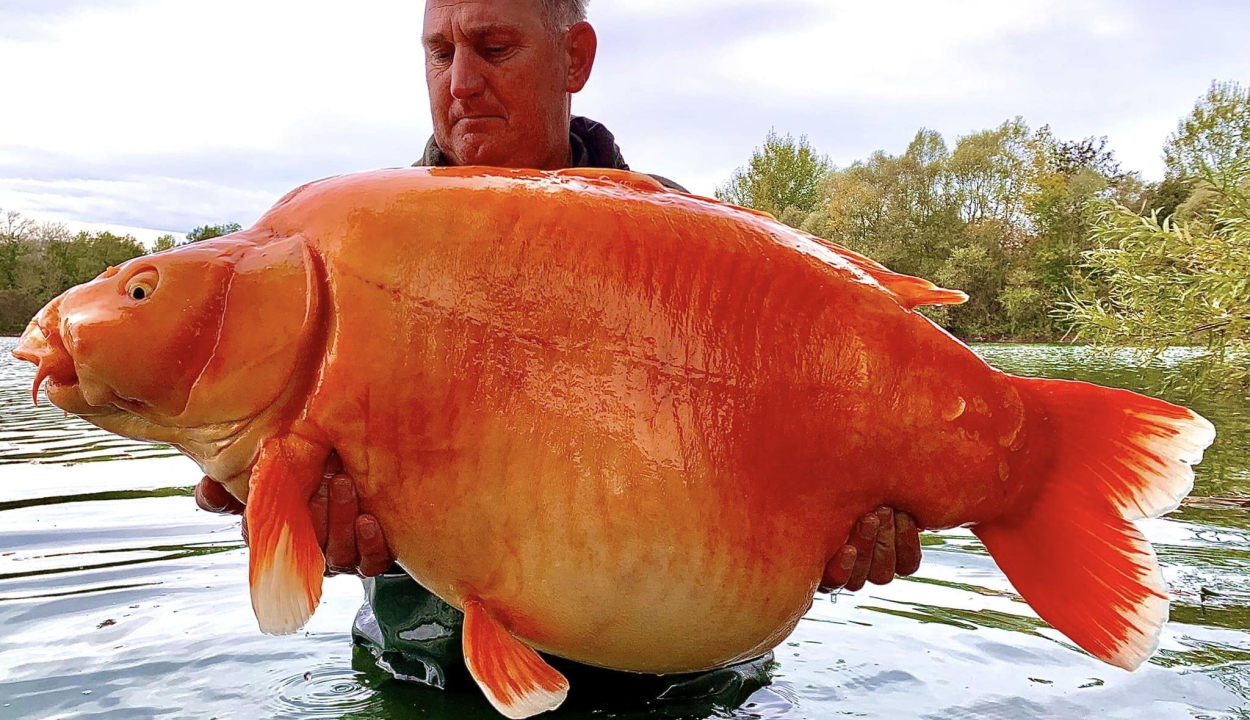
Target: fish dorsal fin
[
  {"x": 910, "y": 291},
  {"x": 605, "y": 176},
  {"x": 913, "y": 292},
  {"x": 516, "y": 680}
]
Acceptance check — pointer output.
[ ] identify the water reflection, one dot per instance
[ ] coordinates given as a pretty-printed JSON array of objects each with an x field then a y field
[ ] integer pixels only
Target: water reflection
[{"x": 119, "y": 599}]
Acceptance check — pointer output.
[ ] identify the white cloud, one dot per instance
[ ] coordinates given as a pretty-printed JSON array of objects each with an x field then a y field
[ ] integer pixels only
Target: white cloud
[
  {"x": 891, "y": 50},
  {"x": 171, "y": 77}
]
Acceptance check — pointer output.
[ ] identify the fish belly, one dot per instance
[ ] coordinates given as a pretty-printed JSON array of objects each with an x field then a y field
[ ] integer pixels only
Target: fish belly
[
  {"x": 606, "y": 563},
  {"x": 637, "y": 427}
]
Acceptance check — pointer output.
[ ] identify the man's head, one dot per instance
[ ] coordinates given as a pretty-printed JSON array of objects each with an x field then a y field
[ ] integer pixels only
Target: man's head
[{"x": 501, "y": 75}]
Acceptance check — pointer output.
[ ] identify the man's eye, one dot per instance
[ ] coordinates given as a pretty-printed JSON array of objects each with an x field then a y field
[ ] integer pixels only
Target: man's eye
[
  {"x": 496, "y": 51},
  {"x": 440, "y": 56}
]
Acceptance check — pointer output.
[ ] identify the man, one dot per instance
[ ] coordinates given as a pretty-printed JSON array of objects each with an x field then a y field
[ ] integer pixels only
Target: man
[{"x": 501, "y": 75}]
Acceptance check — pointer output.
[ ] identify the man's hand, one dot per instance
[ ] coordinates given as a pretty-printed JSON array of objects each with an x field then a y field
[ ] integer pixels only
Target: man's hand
[
  {"x": 884, "y": 543},
  {"x": 352, "y": 542}
]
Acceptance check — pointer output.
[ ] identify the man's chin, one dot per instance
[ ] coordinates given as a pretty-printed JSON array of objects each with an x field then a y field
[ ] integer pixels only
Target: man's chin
[{"x": 480, "y": 148}]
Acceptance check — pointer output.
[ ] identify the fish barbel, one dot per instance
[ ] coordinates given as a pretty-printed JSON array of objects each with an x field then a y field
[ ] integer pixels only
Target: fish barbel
[{"x": 612, "y": 423}]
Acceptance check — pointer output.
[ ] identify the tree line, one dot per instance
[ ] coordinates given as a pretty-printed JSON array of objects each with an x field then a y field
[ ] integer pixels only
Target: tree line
[
  {"x": 40, "y": 260},
  {"x": 1051, "y": 238}
]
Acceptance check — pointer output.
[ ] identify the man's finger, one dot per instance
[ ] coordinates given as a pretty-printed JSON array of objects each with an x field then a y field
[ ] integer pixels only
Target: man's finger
[
  {"x": 212, "y": 496},
  {"x": 319, "y": 511},
  {"x": 884, "y": 559},
  {"x": 907, "y": 544},
  {"x": 838, "y": 571},
  {"x": 375, "y": 556},
  {"x": 341, "y": 553},
  {"x": 863, "y": 539}
]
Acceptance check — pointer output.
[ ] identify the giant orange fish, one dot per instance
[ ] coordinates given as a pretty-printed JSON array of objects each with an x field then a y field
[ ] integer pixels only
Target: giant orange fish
[{"x": 616, "y": 424}]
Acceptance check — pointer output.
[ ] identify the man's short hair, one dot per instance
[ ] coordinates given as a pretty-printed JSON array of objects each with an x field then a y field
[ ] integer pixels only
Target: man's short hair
[{"x": 560, "y": 15}]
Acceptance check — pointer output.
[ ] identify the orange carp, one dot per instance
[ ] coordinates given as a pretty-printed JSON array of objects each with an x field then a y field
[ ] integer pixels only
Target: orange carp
[{"x": 612, "y": 423}]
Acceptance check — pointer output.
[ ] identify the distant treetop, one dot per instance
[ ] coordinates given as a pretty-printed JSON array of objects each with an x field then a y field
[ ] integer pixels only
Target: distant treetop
[{"x": 207, "y": 232}]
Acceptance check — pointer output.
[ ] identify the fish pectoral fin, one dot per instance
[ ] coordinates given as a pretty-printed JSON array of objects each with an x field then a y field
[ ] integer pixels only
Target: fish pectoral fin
[
  {"x": 285, "y": 563},
  {"x": 516, "y": 680}
]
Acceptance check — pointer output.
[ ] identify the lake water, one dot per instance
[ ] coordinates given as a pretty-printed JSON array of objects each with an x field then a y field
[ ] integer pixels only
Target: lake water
[{"x": 118, "y": 598}]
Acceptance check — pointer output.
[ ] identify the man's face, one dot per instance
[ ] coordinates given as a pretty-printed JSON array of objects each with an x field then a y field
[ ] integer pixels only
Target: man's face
[{"x": 499, "y": 83}]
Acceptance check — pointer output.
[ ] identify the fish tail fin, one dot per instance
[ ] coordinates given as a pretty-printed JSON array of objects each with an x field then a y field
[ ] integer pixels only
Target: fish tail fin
[
  {"x": 1070, "y": 548},
  {"x": 286, "y": 564}
]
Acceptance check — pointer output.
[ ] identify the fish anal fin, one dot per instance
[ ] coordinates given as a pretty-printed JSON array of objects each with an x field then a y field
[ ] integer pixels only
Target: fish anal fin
[
  {"x": 285, "y": 560},
  {"x": 516, "y": 680},
  {"x": 1071, "y": 549}
]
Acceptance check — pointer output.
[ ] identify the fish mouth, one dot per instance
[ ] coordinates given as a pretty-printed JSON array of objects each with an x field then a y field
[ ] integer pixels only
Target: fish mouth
[
  {"x": 43, "y": 348},
  {"x": 53, "y": 362}
]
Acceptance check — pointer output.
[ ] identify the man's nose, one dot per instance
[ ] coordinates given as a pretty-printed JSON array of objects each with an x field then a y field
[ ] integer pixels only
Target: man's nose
[{"x": 467, "y": 79}]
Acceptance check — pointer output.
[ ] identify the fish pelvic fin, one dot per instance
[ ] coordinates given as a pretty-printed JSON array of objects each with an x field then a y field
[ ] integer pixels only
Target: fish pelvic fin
[
  {"x": 1072, "y": 550},
  {"x": 286, "y": 564},
  {"x": 516, "y": 680}
]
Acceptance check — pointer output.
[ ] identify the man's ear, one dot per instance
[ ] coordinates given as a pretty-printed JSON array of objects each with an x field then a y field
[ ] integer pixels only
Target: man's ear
[
  {"x": 271, "y": 313},
  {"x": 582, "y": 43}
]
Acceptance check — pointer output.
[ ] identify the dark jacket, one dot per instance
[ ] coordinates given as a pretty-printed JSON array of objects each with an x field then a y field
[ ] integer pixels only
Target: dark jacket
[{"x": 593, "y": 146}]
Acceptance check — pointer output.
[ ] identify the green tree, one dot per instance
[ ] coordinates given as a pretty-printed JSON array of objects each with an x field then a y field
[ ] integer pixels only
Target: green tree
[
  {"x": 784, "y": 173},
  {"x": 82, "y": 258},
  {"x": 1069, "y": 179},
  {"x": 164, "y": 242},
  {"x": 1175, "y": 283},
  {"x": 40, "y": 260},
  {"x": 207, "y": 232},
  {"x": 1215, "y": 137},
  {"x": 1164, "y": 197},
  {"x": 14, "y": 246},
  {"x": 1010, "y": 215},
  {"x": 990, "y": 170}
]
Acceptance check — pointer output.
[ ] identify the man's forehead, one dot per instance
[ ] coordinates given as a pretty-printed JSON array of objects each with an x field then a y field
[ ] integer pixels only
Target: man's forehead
[{"x": 475, "y": 17}]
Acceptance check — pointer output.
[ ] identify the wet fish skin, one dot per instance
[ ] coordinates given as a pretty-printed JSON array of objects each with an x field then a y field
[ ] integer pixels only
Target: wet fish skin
[{"x": 628, "y": 427}]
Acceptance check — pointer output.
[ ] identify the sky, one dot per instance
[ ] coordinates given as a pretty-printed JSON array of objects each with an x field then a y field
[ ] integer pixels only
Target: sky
[{"x": 151, "y": 116}]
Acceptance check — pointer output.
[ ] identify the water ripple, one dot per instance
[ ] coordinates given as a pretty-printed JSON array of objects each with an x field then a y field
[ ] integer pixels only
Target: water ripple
[{"x": 327, "y": 691}]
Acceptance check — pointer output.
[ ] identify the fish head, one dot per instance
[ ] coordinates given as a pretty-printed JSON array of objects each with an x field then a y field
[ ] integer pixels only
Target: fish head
[{"x": 167, "y": 347}]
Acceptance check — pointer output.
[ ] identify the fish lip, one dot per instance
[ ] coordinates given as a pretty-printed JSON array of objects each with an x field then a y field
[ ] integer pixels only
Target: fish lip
[
  {"x": 33, "y": 347},
  {"x": 31, "y": 343},
  {"x": 54, "y": 364}
]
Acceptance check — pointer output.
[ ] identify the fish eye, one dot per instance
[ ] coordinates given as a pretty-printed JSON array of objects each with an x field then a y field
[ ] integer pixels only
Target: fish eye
[{"x": 142, "y": 285}]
